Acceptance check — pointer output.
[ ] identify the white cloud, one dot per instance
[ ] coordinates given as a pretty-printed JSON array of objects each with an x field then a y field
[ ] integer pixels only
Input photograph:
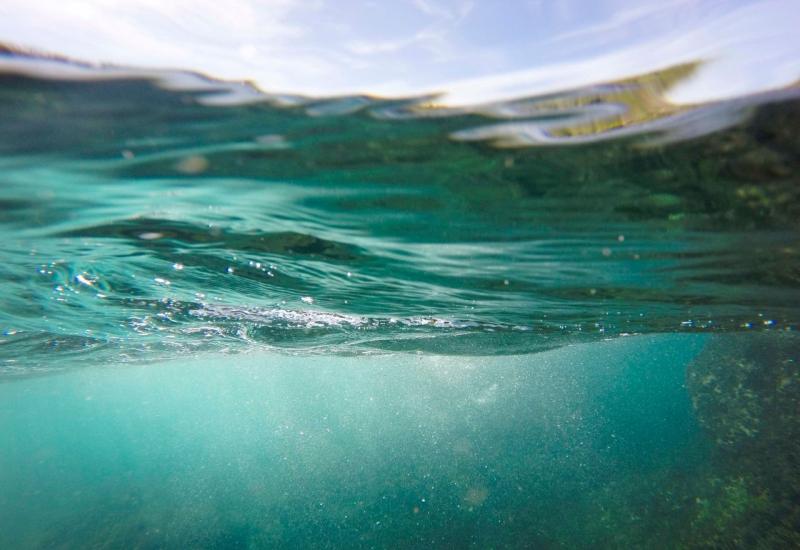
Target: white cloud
[
  {"x": 236, "y": 39},
  {"x": 435, "y": 38},
  {"x": 621, "y": 20},
  {"x": 433, "y": 9},
  {"x": 278, "y": 44},
  {"x": 750, "y": 49}
]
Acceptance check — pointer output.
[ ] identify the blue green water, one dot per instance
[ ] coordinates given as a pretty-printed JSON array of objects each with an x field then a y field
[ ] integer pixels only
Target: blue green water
[
  {"x": 399, "y": 451},
  {"x": 361, "y": 322}
]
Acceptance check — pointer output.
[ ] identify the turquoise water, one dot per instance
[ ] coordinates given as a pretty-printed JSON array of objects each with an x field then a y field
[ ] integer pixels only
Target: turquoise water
[
  {"x": 561, "y": 321},
  {"x": 400, "y": 451}
]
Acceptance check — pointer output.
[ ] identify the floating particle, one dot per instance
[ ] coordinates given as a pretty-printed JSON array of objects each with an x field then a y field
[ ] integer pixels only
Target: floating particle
[
  {"x": 195, "y": 164},
  {"x": 272, "y": 141},
  {"x": 150, "y": 236},
  {"x": 476, "y": 496}
]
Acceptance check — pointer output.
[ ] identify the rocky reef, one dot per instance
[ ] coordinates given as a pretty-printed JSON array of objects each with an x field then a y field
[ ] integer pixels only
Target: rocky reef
[{"x": 745, "y": 389}]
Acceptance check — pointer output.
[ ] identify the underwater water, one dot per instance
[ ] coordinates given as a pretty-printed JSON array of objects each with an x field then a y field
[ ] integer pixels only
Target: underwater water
[{"x": 232, "y": 319}]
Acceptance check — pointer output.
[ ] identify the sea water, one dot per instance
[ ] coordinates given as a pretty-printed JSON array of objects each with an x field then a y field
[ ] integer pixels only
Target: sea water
[
  {"x": 562, "y": 447},
  {"x": 238, "y": 320}
]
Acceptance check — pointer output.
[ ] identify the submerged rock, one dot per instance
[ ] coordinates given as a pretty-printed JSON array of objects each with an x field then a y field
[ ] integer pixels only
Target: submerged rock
[{"x": 745, "y": 389}]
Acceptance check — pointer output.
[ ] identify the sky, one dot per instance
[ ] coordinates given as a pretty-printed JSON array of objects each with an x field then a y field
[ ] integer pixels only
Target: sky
[{"x": 472, "y": 51}]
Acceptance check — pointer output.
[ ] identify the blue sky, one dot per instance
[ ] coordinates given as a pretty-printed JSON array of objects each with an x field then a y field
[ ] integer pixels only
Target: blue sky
[{"x": 472, "y": 50}]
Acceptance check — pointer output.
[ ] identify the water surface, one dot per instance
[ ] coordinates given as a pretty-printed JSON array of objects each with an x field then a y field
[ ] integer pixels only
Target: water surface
[{"x": 233, "y": 319}]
